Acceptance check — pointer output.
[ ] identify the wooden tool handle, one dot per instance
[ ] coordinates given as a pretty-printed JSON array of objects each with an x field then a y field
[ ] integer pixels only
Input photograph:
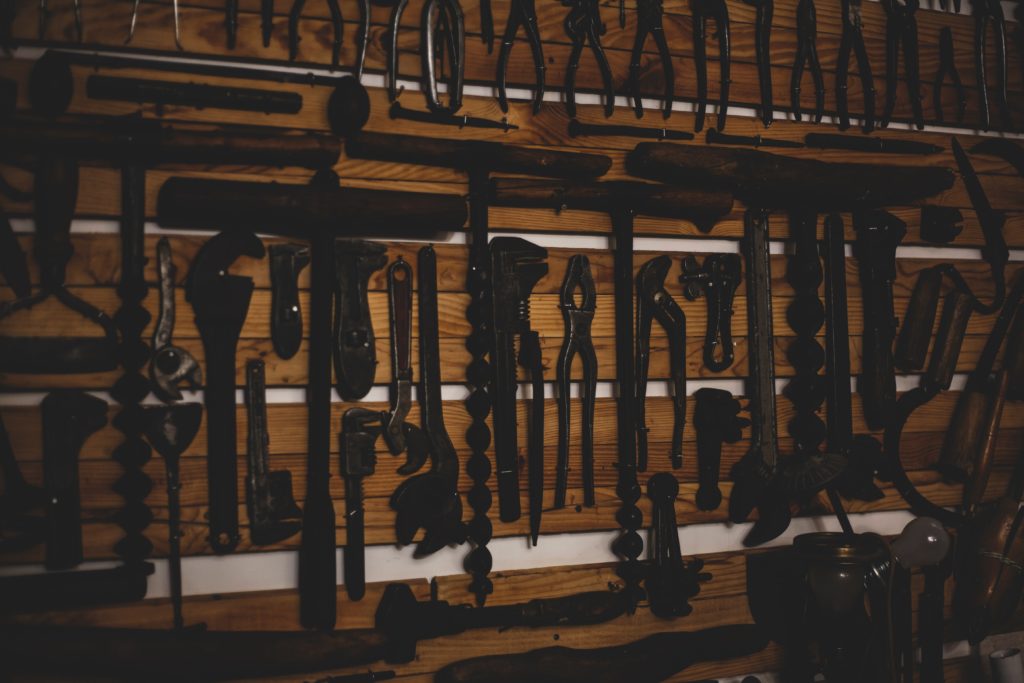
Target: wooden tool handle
[{"x": 989, "y": 429}]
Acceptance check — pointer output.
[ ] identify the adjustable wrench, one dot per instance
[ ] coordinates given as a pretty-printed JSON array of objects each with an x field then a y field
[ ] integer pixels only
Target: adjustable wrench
[{"x": 170, "y": 364}]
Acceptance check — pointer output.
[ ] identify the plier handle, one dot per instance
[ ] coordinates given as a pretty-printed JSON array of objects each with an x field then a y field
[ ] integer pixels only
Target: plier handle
[
  {"x": 807, "y": 53},
  {"x": 762, "y": 47},
  {"x": 901, "y": 27},
  {"x": 719, "y": 12},
  {"x": 947, "y": 66},
  {"x": 521, "y": 13},
  {"x": 579, "y": 318},
  {"x": 853, "y": 39},
  {"x": 649, "y": 23},
  {"x": 984, "y": 12},
  {"x": 293, "y": 29},
  {"x": 583, "y": 23}
]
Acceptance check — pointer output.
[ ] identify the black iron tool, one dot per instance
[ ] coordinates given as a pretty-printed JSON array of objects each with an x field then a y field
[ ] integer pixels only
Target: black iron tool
[
  {"x": 649, "y": 23},
  {"x": 442, "y": 35},
  {"x": 521, "y": 13},
  {"x": 583, "y": 24},
  {"x": 670, "y": 582},
  {"x": 716, "y": 280},
  {"x": 359, "y": 431},
  {"x": 654, "y": 302},
  {"x": 442, "y": 118},
  {"x": 273, "y": 514},
  {"x": 170, "y": 430},
  {"x": 947, "y": 67},
  {"x": 400, "y": 310},
  {"x": 901, "y": 29},
  {"x": 578, "y": 320},
  {"x": 1008, "y": 150},
  {"x": 197, "y": 95},
  {"x": 762, "y": 48},
  {"x": 716, "y": 421},
  {"x": 859, "y": 143},
  {"x": 170, "y": 365},
  {"x": 516, "y": 266},
  {"x": 853, "y": 39},
  {"x": 715, "y": 137},
  {"x": 807, "y": 53},
  {"x": 719, "y": 12},
  {"x": 579, "y": 129},
  {"x": 355, "y": 348},
  {"x": 220, "y": 302},
  {"x": 286, "y": 262},
  {"x": 13, "y": 264},
  {"x": 985, "y": 12}
]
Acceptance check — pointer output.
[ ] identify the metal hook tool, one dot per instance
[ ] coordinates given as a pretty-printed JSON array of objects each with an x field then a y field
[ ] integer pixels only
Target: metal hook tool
[
  {"x": 853, "y": 39},
  {"x": 584, "y": 23},
  {"x": 901, "y": 28},
  {"x": 649, "y": 23},
  {"x": 807, "y": 53},
  {"x": 719, "y": 12},
  {"x": 521, "y": 13},
  {"x": 134, "y": 21}
]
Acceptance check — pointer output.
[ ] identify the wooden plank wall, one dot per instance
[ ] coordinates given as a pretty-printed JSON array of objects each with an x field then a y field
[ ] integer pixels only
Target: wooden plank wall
[{"x": 93, "y": 274}]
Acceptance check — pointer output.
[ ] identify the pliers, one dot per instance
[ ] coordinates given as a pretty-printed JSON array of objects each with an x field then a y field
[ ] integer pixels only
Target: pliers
[
  {"x": 807, "y": 53},
  {"x": 762, "y": 47},
  {"x": 578, "y": 321},
  {"x": 985, "y": 11},
  {"x": 584, "y": 23},
  {"x": 293, "y": 29},
  {"x": 448, "y": 34},
  {"x": 853, "y": 38},
  {"x": 901, "y": 27},
  {"x": 947, "y": 65},
  {"x": 649, "y": 14},
  {"x": 702, "y": 11},
  {"x": 521, "y": 13},
  {"x": 655, "y": 303},
  {"x": 44, "y": 18}
]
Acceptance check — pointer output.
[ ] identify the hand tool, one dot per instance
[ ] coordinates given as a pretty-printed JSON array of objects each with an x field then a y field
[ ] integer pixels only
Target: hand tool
[
  {"x": 55, "y": 192},
  {"x": 947, "y": 66},
  {"x": 448, "y": 31},
  {"x": 918, "y": 321},
  {"x": 649, "y": 23},
  {"x": 901, "y": 27},
  {"x": 273, "y": 514},
  {"x": 8, "y": 12},
  {"x": 266, "y": 21},
  {"x": 775, "y": 181},
  {"x": 859, "y": 143},
  {"x": 521, "y": 13},
  {"x": 196, "y": 95},
  {"x": 220, "y": 302},
  {"x": 654, "y": 658},
  {"x": 583, "y": 23},
  {"x": 286, "y": 262},
  {"x": 69, "y": 418},
  {"x": 337, "y": 24},
  {"x": 231, "y": 22},
  {"x": 397, "y": 111},
  {"x": 940, "y": 224},
  {"x": 863, "y": 453},
  {"x": 516, "y": 266},
  {"x": 986, "y": 11},
  {"x": 852, "y": 38},
  {"x": 1008, "y": 150},
  {"x": 205, "y": 655},
  {"x": 719, "y": 12},
  {"x": 170, "y": 365},
  {"x": 715, "y": 421},
  {"x": 13, "y": 264},
  {"x": 579, "y": 282},
  {"x": 400, "y": 317},
  {"x": 716, "y": 281},
  {"x": 807, "y": 53},
  {"x": 654, "y": 302},
  {"x": 762, "y": 48},
  {"x": 170, "y": 430},
  {"x": 355, "y": 348},
  {"x": 577, "y": 129},
  {"x": 878, "y": 235},
  {"x": 430, "y": 500},
  {"x": 44, "y": 18},
  {"x": 368, "y": 677},
  {"x": 670, "y": 582},
  {"x": 177, "y": 25},
  {"x": 715, "y": 137},
  {"x": 359, "y": 431},
  {"x": 20, "y": 529}
]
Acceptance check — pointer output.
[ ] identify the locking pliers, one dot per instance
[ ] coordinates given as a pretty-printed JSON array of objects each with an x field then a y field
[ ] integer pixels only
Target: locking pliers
[
  {"x": 521, "y": 13},
  {"x": 947, "y": 65},
  {"x": 901, "y": 27},
  {"x": 649, "y": 15},
  {"x": 984, "y": 12},
  {"x": 853, "y": 39},
  {"x": 702, "y": 11},
  {"x": 807, "y": 53},
  {"x": 578, "y": 320},
  {"x": 584, "y": 23}
]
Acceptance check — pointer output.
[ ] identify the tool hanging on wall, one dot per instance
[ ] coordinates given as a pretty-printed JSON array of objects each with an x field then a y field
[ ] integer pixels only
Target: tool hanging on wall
[
  {"x": 44, "y": 19},
  {"x": 901, "y": 29},
  {"x": 985, "y": 12},
  {"x": 578, "y": 283},
  {"x": 716, "y": 281},
  {"x": 762, "y": 48},
  {"x": 197, "y": 95},
  {"x": 947, "y": 66},
  {"x": 716, "y": 137},
  {"x": 807, "y": 53},
  {"x": 169, "y": 365},
  {"x": 670, "y": 582},
  {"x": 286, "y": 263},
  {"x": 446, "y": 33},
  {"x": 940, "y": 224},
  {"x": 359, "y": 431},
  {"x": 852, "y": 38},
  {"x": 170, "y": 430},
  {"x": 1008, "y": 150},
  {"x": 719, "y": 12},
  {"x": 649, "y": 23},
  {"x": 860, "y": 143},
  {"x": 295, "y": 16},
  {"x": 716, "y": 421},
  {"x": 578, "y": 129},
  {"x": 521, "y": 13},
  {"x": 400, "y": 330},
  {"x": 654, "y": 302},
  {"x": 582, "y": 24},
  {"x": 177, "y": 24},
  {"x": 355, "y": 347},
  {"x": 397, "y": 111}
]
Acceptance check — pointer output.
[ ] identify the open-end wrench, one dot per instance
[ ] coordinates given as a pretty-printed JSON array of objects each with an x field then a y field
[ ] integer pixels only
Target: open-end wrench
[{"x": 170, "y": 364}]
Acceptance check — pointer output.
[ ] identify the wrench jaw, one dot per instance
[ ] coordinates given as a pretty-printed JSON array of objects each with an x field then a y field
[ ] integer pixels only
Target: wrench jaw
[{"x": 171, "y": 366}]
